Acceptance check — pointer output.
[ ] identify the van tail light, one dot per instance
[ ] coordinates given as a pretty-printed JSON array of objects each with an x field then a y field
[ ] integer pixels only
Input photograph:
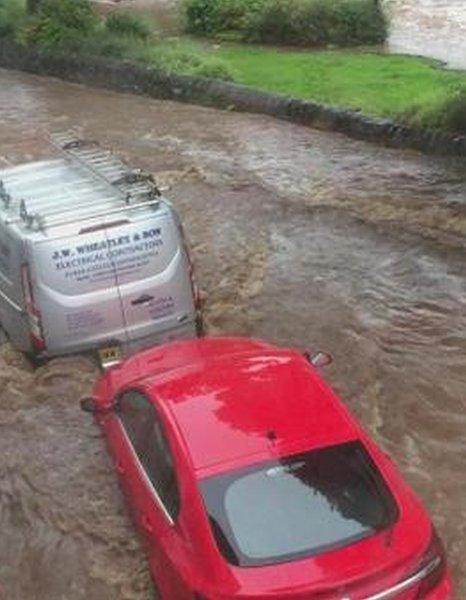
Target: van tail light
[
  {"x": 37, "y": 336},
  {"x": 433, "y": 564}
]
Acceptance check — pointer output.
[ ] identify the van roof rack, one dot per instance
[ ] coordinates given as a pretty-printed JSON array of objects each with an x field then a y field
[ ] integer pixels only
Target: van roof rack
[
  {"x": 133, "y": 184},
  {"x": 48, "y": 194}
]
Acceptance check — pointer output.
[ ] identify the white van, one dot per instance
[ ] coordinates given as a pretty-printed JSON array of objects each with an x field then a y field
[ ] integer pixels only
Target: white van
[{"x": 91, "y": 256}]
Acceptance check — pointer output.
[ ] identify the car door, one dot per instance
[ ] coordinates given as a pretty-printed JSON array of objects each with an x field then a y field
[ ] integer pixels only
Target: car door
[{"x": 146, "y": 468}]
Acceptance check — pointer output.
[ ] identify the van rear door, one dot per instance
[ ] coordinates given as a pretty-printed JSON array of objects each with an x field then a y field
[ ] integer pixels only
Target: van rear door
[
  {"x": 75, "y": 289},
  {"x": 153, "y": 277}
]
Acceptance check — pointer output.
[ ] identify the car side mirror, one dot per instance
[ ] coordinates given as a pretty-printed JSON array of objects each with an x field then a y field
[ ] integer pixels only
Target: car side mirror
[
  {"x": 89, "y": 405},
  {"x": 319, "y": 359}
]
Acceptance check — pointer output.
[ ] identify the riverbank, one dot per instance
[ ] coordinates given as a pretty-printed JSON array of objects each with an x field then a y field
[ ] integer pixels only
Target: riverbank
[
  {"x": 395, "y": 100},
  {"x": 127, "y": 76},
  {"x": 408, "y": 90}
]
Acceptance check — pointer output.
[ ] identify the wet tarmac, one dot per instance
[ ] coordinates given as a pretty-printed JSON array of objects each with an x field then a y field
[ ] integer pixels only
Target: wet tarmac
[{"x": 303, "y": 237}]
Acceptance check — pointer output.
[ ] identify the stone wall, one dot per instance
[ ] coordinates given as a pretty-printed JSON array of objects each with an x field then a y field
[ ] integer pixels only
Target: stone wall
[{"x": 435, "y": 28}]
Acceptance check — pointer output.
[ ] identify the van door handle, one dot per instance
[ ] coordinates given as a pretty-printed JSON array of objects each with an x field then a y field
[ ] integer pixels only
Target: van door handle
[{"x": 142, "y": 299}]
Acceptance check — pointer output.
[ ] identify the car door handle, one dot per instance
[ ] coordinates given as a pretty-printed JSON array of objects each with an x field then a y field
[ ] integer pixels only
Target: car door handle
[
  {"x": 142, "y": 299},
  {"x": 120, "y": 467},
  {"x": 147, "y": 524}
]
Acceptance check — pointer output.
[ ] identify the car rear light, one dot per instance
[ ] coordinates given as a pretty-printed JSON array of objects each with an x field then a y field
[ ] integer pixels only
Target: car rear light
[
  {"x": 433, "y": 565},
  {"x": 33, "y": 313}
]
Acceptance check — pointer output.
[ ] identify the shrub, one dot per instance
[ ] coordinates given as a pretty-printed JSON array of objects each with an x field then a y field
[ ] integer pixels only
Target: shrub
[
  {"x": 452, "y": 114},
  {"x": 100, "y": 43},
  {"x": 208, "y": 17},
  {"x": 200, "y": 16},
  {"x": 294, "y": 22},
  {"x": 213, "y": 68},
  {"x": 12, "y": 14},
  {"x": 124, "y": 23},
  {"x": 185, "y": 60},
  {"x": 58, "y": 21},
  {"x": 319, "y": 22},
  {"x": 70, "y": 14}
]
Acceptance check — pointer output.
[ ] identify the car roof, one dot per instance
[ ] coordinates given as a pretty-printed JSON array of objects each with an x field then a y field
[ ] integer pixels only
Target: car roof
[{"x": 234, "y": 402}]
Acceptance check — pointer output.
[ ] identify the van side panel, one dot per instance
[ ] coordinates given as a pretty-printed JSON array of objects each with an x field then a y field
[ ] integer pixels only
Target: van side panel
[{"x": 13, "y": 317}]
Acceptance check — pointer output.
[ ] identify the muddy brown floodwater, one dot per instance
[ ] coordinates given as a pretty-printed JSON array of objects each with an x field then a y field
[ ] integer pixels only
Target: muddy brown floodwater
[
  {"x": 302, "y": 237},
  {"x": 434, "y": 28}
]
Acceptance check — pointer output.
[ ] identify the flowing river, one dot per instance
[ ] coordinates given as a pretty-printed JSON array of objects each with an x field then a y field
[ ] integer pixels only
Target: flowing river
[
  {"x": 435, "y": 28},
  {"x": 302, "y": 237}
]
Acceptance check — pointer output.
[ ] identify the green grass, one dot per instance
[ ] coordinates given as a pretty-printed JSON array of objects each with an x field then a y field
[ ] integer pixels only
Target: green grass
[
  {"x": 178, "y": 57},
  {"x": 377, "y": 84}
]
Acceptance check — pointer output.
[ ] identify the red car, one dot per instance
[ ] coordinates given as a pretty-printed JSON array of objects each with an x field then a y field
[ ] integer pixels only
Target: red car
[{"x": 250, "y": 479}]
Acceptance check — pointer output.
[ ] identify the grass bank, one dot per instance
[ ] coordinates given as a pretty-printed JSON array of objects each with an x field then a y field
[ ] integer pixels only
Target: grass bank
[{"x": 411, "y": 90}]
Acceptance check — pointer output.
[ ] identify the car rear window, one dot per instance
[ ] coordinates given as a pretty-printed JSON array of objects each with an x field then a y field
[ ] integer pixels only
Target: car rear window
[{"x": 299, "y": 506}]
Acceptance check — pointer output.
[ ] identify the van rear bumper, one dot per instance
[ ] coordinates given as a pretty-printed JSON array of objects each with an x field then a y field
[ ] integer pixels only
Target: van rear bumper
[{"x": 188, "y": 330}]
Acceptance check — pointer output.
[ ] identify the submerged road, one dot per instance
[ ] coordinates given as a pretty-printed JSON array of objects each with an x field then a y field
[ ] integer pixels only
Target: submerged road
[{"x": 302, "y": 237}]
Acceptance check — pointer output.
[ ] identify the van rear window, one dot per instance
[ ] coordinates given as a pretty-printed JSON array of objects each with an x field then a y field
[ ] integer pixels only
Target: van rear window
[{"x": 299, "y": 506}]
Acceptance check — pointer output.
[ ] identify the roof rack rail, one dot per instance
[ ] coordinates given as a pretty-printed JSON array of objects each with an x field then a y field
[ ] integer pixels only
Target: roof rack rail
[
  {"x": 134, "y": 188},
  {"x": 33, "y": 221},
  {"x": 134, "y": 185}
]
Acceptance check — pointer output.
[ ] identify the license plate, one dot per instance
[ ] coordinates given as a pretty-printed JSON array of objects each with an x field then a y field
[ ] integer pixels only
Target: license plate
[{"x": 110, "y": 356}]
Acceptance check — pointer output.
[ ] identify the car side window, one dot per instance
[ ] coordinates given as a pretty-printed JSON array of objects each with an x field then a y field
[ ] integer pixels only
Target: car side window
[{"x": 146, "y": 433}]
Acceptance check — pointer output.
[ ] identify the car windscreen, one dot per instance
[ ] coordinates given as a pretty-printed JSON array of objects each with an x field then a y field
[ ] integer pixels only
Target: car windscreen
[{"x": 298, "y": 506}]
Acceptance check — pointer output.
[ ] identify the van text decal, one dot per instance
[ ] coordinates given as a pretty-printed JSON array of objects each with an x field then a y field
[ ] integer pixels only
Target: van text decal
[
  {"x": 107, "y": 244},
  {"x": 99, "y": 260}
]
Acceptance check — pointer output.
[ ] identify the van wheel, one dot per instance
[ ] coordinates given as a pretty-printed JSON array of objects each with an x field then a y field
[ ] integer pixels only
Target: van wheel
[{"x": 200, "y": 326}]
